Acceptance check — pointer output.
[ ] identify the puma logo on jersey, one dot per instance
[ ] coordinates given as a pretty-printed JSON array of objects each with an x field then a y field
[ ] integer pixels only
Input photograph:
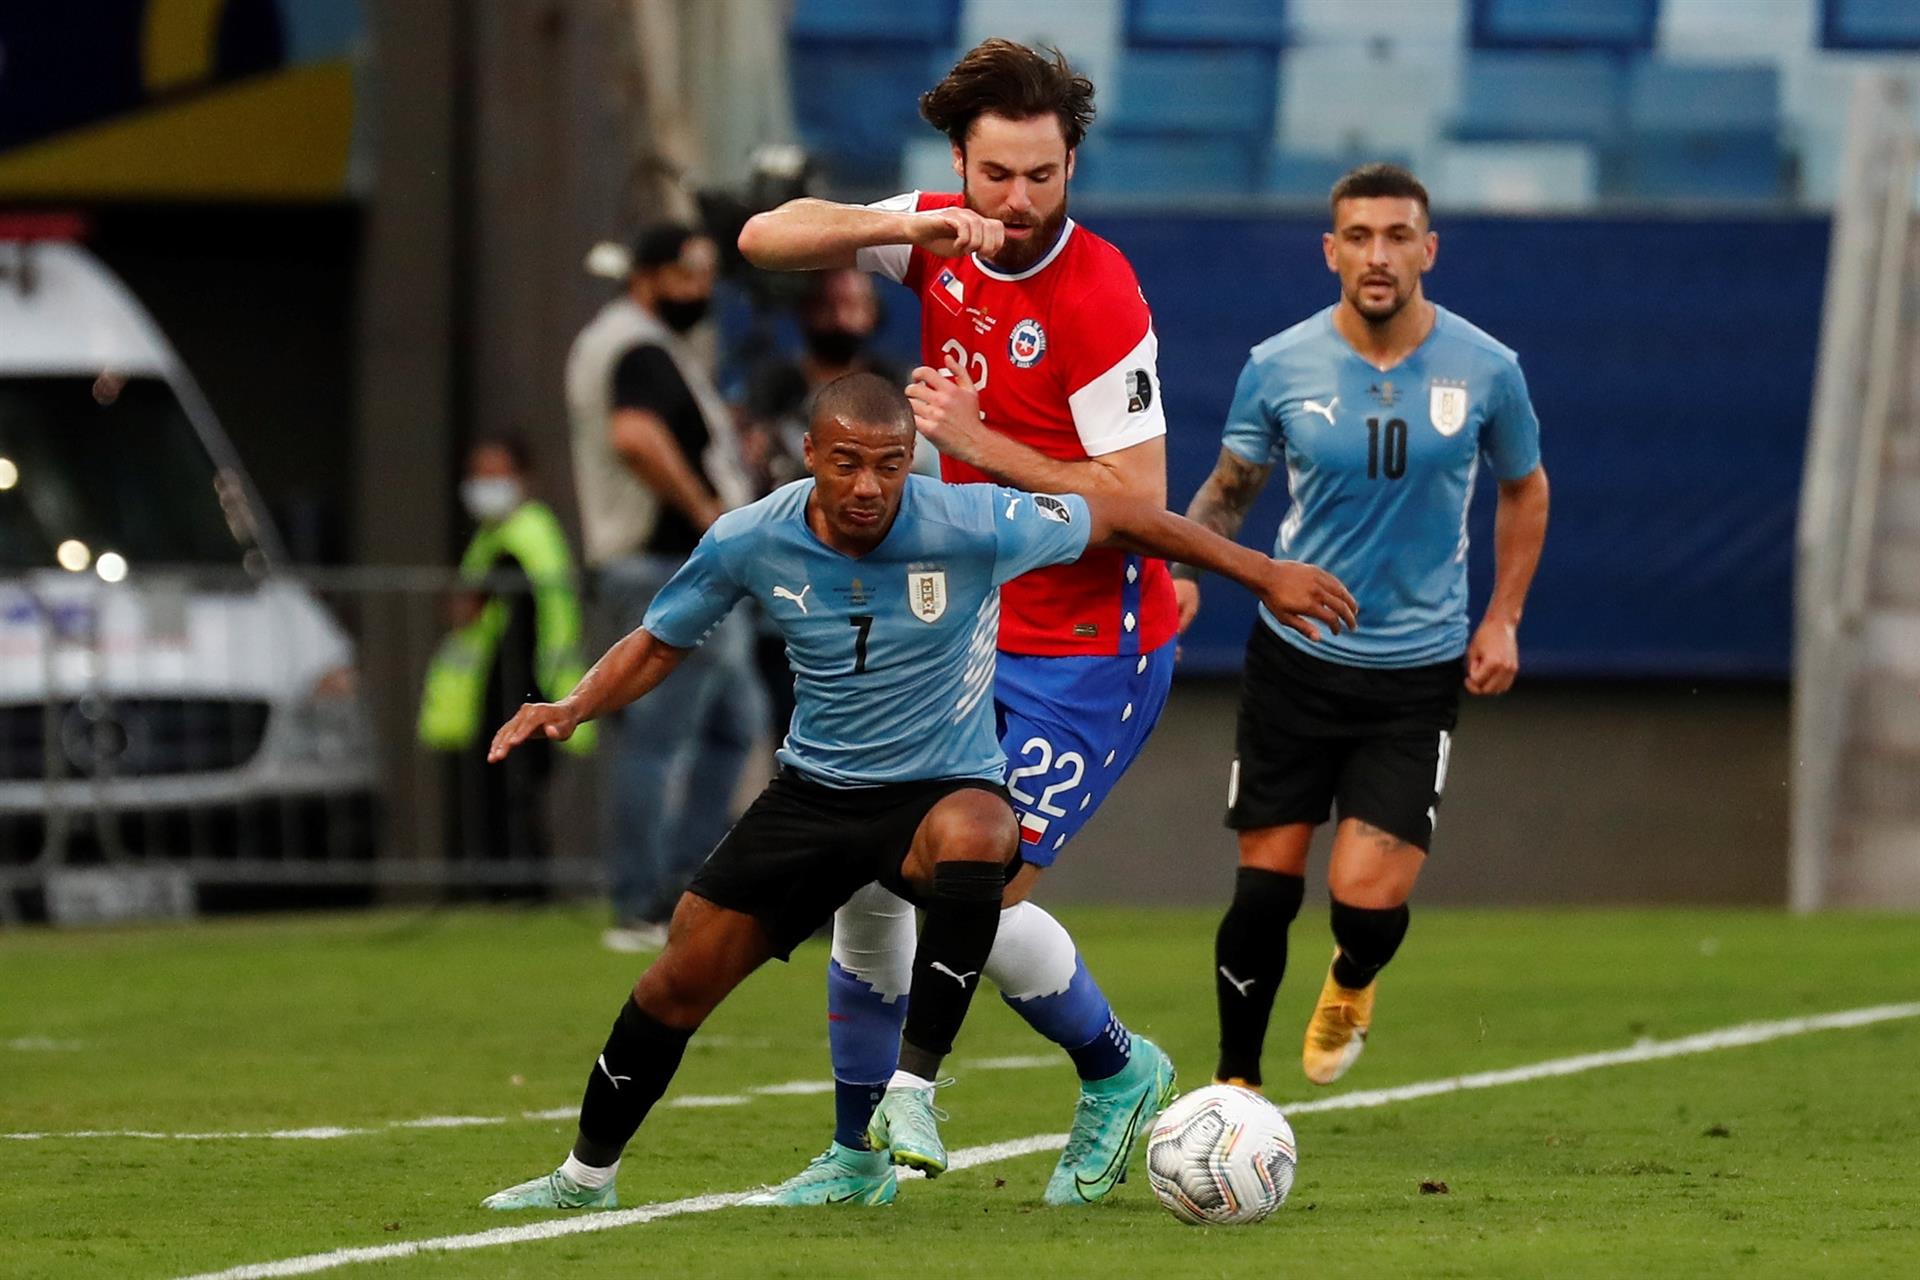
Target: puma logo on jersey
[
  {"x": 781, "y": 593},
  {"x": 1012, "y": 502},
  {"x": 1236, "y": 983},
  {"x": 1324, "y": 410},
  {"x": 960, "y": 978}
]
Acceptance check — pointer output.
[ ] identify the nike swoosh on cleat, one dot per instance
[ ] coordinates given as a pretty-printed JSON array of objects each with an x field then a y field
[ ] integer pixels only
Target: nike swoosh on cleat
[{"x": 1081, "y": 1183}]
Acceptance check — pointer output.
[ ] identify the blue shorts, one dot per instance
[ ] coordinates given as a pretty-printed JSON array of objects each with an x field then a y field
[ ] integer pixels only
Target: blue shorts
[{"x": 1070, "y": 727}]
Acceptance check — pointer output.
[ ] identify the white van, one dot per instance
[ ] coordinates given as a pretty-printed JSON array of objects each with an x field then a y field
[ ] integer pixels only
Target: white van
[{"x": 174, "y": 716}]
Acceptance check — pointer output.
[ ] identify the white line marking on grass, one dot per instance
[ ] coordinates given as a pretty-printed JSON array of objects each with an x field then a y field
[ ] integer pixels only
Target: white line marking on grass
[
  {"x": 1021, "y": 1062},
  {"x": 1749, "y": 1033},
  {"x": 326, "y": 1133},
  {"x": 41, "y": 1044}
]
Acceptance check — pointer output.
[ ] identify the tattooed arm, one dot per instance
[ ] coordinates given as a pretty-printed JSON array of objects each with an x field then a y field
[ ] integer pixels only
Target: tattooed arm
[{"x": 1221, "y": 505}]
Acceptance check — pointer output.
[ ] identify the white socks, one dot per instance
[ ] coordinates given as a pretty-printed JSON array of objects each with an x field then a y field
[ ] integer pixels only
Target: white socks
[
  {"x": 908, "y": 1080},
  {"x": 586, "y": 1175}
]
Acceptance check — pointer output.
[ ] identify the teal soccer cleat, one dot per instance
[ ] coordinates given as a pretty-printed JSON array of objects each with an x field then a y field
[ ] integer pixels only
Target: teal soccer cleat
[
  {"x": 905, "y": 1127},
  {"x": 553, "y": 1191},
  {"x": 838, "y": 1175},
  {"x": 1110, "y": 1118}
]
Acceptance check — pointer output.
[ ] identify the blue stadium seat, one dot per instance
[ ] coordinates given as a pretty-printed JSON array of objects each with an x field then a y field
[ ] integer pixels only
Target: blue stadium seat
[
  {"x": 1296, "y": 175},
  {"x": 1669, "y": 166},
  {"x": 1198, "y": 90},
  {"x": 857, "y": 104},
  {"x": 1182, "y": 22},
  {"x": 1702, "y": 99},
  {"x": 1870, "y": 24},
  {"x": 925, "y": 21},
  {"x": 1565, "y": 24},
  {"x": 1565, "y": 97},
  {"x": 1167, "y": 165}
]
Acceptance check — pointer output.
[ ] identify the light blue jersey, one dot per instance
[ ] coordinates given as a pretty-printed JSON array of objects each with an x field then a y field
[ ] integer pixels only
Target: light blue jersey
[
  {"x": 1380, "y": 467},
  {"x": 893, "y": 653}
]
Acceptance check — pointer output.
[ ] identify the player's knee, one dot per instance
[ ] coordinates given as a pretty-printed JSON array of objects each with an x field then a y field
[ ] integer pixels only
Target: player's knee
[
  {"x": 971, "y": 826},
  {"x": 678, "y": 990}
]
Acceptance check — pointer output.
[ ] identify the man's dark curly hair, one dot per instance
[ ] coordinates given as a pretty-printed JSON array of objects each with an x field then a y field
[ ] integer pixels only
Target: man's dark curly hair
[{"x": 1010, "y": 80}]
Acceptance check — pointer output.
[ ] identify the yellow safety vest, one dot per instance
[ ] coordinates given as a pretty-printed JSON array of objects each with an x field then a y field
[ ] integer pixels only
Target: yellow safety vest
[{"x": 453, "y": 704}]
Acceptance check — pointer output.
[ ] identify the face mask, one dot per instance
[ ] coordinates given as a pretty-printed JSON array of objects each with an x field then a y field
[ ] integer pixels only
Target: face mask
[
  {"x": 834, "y": 346},
  {"x": 490, "y": 498},
  {"x": 681, "y": 314}
]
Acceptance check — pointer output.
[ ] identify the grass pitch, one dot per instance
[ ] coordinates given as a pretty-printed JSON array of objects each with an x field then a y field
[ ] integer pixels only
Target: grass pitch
[{"x": 1794, "y": 1157}]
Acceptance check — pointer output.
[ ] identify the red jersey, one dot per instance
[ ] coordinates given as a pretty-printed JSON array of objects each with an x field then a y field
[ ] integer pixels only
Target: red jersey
[{"x": 1063, "y": 354}]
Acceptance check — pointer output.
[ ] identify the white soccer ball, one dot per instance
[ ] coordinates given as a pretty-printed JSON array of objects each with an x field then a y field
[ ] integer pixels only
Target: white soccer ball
[{"x": 1221, "y": 1155}]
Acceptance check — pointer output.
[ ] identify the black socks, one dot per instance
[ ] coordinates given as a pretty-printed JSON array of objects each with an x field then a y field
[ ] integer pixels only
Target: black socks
[
  {"x": 963, "y": 914},
  {"x": 631, "y": 1073},
  {"x": 1368, "y": 937},
  {"x": 1249, "y": 958}
]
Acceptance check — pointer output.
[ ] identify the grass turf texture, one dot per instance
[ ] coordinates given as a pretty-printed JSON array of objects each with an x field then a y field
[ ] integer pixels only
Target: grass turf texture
[{"x": 1787, "y": 1158}]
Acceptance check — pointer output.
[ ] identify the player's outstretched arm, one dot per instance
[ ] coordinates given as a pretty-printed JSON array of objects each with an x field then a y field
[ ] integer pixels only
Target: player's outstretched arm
[
  {"x": 625, "y": 673},
  {"x": 1519, "y": 532},
  {"x": 1297, "y": 594},
  {"x": 1221, "y": 505},
  {"x": 816, "y": 235}
]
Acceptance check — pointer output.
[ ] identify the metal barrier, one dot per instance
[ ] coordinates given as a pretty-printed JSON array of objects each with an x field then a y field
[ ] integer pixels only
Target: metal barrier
[{"x": 194, "y": 740}]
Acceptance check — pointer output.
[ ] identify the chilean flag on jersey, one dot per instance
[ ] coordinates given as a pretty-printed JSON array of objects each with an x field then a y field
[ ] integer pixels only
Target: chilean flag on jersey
[{"x": 1064, "y": 356}]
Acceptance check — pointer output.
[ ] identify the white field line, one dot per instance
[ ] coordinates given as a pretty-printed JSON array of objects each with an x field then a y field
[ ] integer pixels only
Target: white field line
[
  {"x": 1748, "y": 1033},
  {"x": 328, "y": 1133}
]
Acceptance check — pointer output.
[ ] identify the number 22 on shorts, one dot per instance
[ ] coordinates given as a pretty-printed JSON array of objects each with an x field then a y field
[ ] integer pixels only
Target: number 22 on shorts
[{"x": 1045, "y": 762}]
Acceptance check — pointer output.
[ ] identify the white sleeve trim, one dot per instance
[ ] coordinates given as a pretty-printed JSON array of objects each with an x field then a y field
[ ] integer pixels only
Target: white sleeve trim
[
  {"x": 1108, "y": 413},
  {"x": 889, "y": 260}
]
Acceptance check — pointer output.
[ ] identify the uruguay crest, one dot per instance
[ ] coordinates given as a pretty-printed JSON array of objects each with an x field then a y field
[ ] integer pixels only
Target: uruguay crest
[
  {"x": 927, "y": 594},
  {"x": 1447, "y": 405}
]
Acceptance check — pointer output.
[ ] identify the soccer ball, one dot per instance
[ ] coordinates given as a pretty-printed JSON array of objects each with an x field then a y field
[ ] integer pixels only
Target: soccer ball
[{"x": 1222, "y": 1155}]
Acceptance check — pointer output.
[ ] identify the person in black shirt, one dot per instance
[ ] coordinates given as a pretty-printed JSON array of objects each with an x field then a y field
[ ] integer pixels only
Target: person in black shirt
[{"x": 656, "y": 461}]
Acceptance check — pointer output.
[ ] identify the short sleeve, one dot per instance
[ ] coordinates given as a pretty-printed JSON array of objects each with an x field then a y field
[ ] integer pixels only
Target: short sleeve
[
  {"x": 1251, "y": 432},
  {"x": 697, "y": 597},
  {"x": 646, "y": 378},
  {"x": 1511, "y": 436},
  {"x": 889, "y": 260},
  {"x": 1034, "y": 530},
  {"x": 1111, "y": 363}
]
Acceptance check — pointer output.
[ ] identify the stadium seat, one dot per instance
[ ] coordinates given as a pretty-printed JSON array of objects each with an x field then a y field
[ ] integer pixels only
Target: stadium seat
[
  {"x": 1182, "y": 22},
  {"x": 1564, "y": 24},
  {"x": 1731, "y": 165},
  {"x": 857, "y": 104},
  {"x": 1330, "y": 98},
  {"x": 1197, "y": 90},
  {"x": 1299, "y": 176},
  {"x": 1168, "y": 165},
  {"x": 1521, "y": 176},
  {"x": 1574, "y": 97},
  {"x": 1870, "y": 24},
  {"x": 1410, "y": 24},
  {"x": 1664, "y": 96},
  {"x": 925, "y": 21}
]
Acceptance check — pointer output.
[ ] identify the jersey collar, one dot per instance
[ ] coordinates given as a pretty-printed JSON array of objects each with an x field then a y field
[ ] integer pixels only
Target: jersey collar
[{"x": 1066, "y": 234}]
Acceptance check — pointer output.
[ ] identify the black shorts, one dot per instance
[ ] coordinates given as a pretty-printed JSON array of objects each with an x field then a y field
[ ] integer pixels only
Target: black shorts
[
  {"x": 1313, "y": 733},
  {"x": 802, "y": 849}
]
